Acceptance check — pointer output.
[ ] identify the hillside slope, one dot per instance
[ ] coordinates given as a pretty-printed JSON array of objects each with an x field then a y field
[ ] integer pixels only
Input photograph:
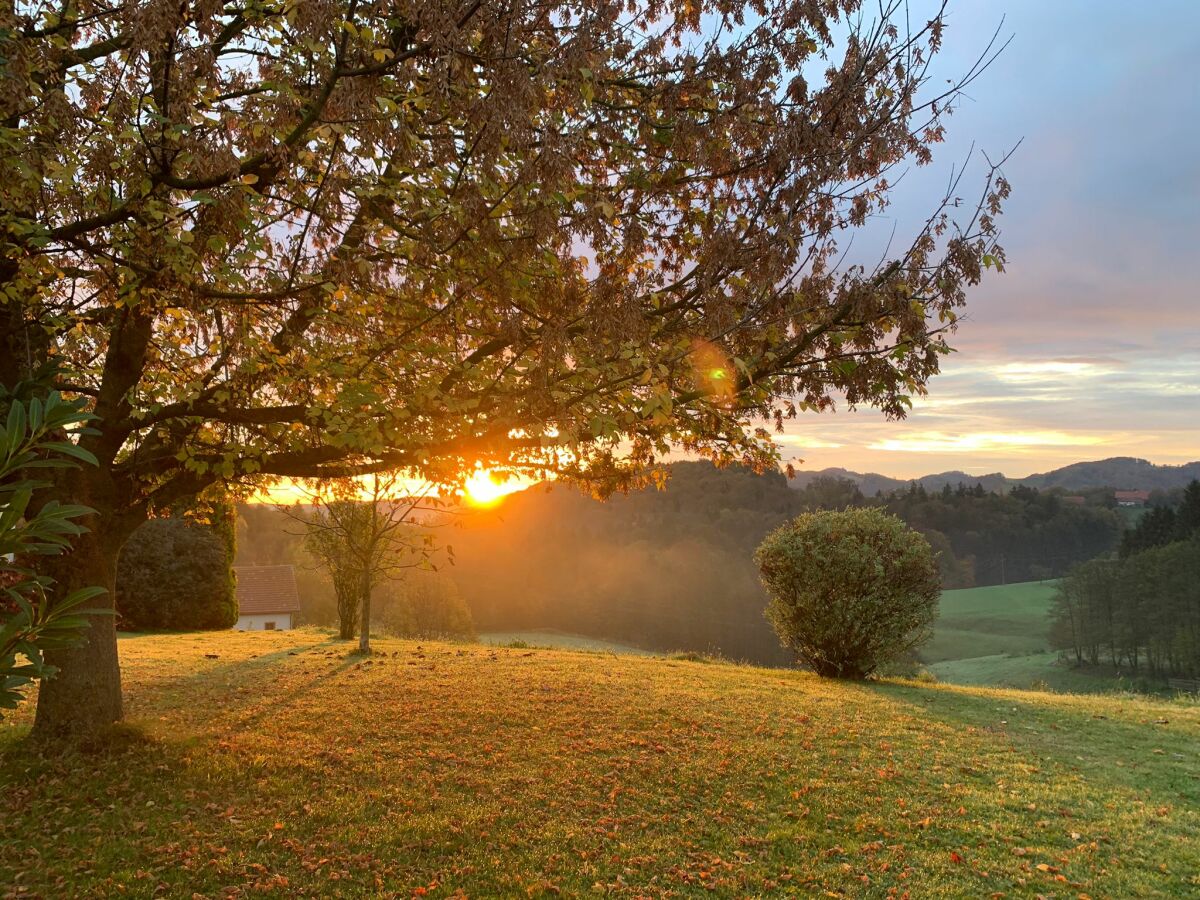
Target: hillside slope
[
  {"x": 286, "y": 768},
  {"x": 985, "y": 621}
]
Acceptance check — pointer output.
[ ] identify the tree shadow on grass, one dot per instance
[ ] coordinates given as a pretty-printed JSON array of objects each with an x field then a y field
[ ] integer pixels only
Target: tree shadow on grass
[
  {"x": 265, "y": 683},
  {"x": 209, "y": 692}
]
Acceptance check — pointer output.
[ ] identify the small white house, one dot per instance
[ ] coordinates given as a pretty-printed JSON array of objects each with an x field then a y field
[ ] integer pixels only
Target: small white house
[{"x": 267, "y": 598}]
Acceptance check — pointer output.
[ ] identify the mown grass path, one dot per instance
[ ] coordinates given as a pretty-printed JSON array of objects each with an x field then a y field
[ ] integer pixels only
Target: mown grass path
[{"x": 286, "y": 768}]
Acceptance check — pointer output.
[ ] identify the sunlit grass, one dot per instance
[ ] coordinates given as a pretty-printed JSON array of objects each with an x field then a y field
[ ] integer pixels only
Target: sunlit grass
[{"x": 286, "y": 767}]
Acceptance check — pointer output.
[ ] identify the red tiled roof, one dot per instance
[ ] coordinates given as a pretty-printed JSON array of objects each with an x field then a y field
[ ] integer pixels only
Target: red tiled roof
[
  {"x": 1133, "y": 495},
  {"x": 266, "y": 589}
]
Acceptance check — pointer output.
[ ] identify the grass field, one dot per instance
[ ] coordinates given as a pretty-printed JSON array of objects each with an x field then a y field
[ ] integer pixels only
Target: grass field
[
  {"x": 558, "y": 640},
  {"x": 1039, "y": 671},
  {"x": 987, "y": 621},
  {"x": 286, "y": 767},
  {"x": 997, "y": 636}
]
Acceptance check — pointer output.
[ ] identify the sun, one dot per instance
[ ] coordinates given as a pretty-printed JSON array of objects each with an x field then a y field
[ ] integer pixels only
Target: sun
[{"x": 483, "y": 489}]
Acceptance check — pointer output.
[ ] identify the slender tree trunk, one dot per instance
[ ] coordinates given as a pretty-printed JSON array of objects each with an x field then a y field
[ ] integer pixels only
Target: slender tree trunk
[
  {"x": 347, "y": 603},
  {"x": 364, "y": 632}
]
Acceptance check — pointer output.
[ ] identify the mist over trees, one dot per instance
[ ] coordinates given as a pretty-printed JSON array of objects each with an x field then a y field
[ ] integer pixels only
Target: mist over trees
[
  {"x": 665, "y": 570},
  {"x": 672, "y": 569},
  {"x": 407, "y": 601}
]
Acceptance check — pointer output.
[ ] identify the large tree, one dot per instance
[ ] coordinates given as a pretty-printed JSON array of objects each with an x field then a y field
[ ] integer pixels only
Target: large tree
[{"x": 281, "y": 239}]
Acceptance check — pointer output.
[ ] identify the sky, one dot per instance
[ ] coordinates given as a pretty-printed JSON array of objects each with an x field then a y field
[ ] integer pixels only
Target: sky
[{"x": 1088, "y": 346}]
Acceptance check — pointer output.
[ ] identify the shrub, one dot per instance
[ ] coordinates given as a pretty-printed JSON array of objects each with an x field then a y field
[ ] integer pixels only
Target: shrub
[
  {"x": 175, "y": 575},
  {"x": 849, "y": 590}
]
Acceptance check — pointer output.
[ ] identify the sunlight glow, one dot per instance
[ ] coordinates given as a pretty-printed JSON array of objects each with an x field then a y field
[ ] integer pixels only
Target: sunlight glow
[
  {"x": 483, "y": 488},
  {"x": 713, "y": 370}
]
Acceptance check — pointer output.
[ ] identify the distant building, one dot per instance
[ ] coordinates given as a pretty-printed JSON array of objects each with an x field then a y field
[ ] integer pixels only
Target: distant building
[
  {"x": 267, "y": 598},
  {"x": 1132, "y": 498}
]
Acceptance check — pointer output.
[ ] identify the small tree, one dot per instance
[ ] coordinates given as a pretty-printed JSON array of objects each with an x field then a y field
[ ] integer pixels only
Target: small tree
[
  {"x": 331, "y": 528},
  {"x": 174, "y": 574},
  {"x": 362, "y": 532},
  {"x": 849, "y": 590}
]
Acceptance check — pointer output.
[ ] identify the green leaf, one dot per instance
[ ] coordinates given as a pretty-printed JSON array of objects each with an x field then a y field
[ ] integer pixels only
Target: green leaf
[{"x": 73, "y": 450}]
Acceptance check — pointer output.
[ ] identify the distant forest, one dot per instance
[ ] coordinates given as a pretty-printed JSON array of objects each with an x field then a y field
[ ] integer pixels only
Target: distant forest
[
  {"x": 672, "y": 569},
  {"x": 1139, "y": 612},
  {"x": 986, "y": 538},
  {"x": 1118, "y": 472}
]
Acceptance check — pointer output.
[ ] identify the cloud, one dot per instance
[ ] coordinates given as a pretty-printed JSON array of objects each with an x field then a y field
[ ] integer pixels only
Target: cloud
[
  {"x": 806, "y": 442},
  {"x": 1039, "y": 371},
  {"x": 1013, "y": 442}
]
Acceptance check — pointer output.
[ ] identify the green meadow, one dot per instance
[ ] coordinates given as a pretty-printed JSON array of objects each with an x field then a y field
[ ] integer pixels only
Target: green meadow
[
  {"x": 987, "y": 621},
  {"x": 998, "y": 636}
]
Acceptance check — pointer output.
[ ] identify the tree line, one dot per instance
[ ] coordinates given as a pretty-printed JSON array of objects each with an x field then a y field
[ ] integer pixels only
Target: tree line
[
  {"x": 1139, "y": 610},
  {"x": 984, "y": 537}
]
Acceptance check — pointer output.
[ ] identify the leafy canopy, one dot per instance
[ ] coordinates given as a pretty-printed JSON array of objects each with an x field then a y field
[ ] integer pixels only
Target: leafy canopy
[{"x": 307, "y": 240}]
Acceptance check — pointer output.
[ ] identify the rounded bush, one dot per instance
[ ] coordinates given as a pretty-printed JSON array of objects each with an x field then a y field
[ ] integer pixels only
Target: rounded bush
[
  {"x": 849, "y": 590},
  {"x": 175, "y": 575}
]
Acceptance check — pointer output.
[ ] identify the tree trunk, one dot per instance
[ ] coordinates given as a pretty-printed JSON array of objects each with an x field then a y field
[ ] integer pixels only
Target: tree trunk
[
  {"x": 347, "y": 604},
  {"x": 84, "y": 696},
  {"x": 364, "y": 632}
]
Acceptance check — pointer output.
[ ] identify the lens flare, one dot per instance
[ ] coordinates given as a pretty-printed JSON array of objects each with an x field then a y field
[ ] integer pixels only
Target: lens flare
[{"x": 713, "y": 371}]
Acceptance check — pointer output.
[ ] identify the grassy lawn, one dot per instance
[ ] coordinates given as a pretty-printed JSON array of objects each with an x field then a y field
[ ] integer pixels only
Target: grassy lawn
[
  {"x": 558, "y": 640},
  {"x": 987, "y": 621},
  {"x": 997, "y": 636},
  {"x": 285, "y": 767},
  {"x": 1032, "y": 671}
]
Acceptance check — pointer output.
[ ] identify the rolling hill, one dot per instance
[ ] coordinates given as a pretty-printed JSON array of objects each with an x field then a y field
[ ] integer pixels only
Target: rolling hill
[
  {"x": 1119, "y": 472},
  {"x": 276, "y": 764}
]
